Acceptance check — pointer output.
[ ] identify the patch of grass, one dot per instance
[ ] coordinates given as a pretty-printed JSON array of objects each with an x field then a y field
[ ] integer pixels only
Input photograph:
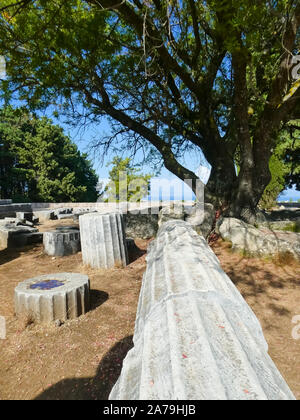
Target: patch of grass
[
  {"x": 293, "y": 227},
  {"x": 281, "y": 259},
  {"x": 25, "y": 320},
  {"x": 284, "y": 258}
]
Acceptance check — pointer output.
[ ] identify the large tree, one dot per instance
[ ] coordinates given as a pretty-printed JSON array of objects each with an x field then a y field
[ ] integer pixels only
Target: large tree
[
  {"x": 291, "y": 155},
  {"x": 40, "y": 163},
  {"x": 171, "y": 75}
]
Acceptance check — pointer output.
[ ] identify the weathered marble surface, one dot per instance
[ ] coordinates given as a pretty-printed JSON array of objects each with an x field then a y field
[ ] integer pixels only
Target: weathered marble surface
[
  {"x": 103, "y": 241},
  {"x": 258, "y": 242},
  {"x": 66, "y": 301},
  {"x": 195, "y": 336}
]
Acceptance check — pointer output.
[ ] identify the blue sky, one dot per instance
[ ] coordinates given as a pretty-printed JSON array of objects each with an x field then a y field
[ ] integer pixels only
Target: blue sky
[
  {"x": 290, "y": 194},
  {"x": 83, "y": 139}
]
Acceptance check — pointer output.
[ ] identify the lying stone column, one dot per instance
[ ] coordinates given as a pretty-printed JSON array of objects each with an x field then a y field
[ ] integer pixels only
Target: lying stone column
[
  {"x": 103, "y": 240},
  {"x": 195, "y": 336}
]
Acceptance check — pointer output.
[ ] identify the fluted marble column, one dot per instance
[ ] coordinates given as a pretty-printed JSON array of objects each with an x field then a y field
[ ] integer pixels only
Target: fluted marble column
[
  {"x": 51, "y": 297},
  {"x": 195, "y": 336},
  {"x": 103, "y": 241}
]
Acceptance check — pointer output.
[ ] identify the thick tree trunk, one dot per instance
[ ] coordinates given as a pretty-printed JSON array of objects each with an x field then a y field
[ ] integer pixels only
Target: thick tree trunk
[
  {"x": 221, "y": 184},
  {"x": 222, "y": 181},
  {"x": 238, "y": 195},
  {"x": 250, "y": 190}
]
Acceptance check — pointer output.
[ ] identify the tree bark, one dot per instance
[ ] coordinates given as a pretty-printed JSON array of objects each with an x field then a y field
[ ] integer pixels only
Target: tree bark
[{"x": 222, "y": 182}]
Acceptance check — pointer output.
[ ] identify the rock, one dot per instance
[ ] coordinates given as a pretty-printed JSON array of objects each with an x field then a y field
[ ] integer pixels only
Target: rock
[
  {"x": 34, "y": 238},
  {"x": 22, "y": 215},
  {"x": 258, "y": 242},
  {"x": 195, "y": 336},
  {"x": 51, "y": 297},
  {"x": 64, "y": 210},
  {"x": 66, "y": 228},
  {"x": 142, "y": 226},
  {"x": 283, "y": 215},
  {"x": 80, "y": 210},
  {"x": 10, "y": 220},
  {"x": 286, "y": 225},
  {"x": 23, "y": 222},
  {"x": 35, "y": 220},
  {"x": 18, "y": 222},
  {"x": 103, "y": 240},
  {"x": 76, "y": 215},
  {"x": 131, "y": 246},
  {"x": 251, "y": 217},
  {"x": 24, "y": 239},
  {"x": 65, "y": 216},
  {"x": 202, "y": 218},
  {"x": 61, "y": 243},
  {"x": 260, "y": 216},
  {"x": 173, "y": 211},
  {"x": 44, "y": 215},
  {"x": 9, "y": 235}
]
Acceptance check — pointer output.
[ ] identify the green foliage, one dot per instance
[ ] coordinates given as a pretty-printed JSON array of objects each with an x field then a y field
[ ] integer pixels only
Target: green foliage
[
  {"x": 171, "y": 76},
  {"x": 86, "y": 46},
  {"x": 293, "y": 227},
  {"x": 126, "y": 182},
  {"x": 292, "y": 156},
  {"x": 284, "y": 165},
  {"x": 40, "y": 163},
  {"x": 277, "y": 184}
]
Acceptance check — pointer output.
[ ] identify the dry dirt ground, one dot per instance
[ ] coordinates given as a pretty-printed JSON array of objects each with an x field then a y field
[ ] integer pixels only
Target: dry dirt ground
[
  {"x": 272, "y": 290},
  {"x": 82, "y": 358}
]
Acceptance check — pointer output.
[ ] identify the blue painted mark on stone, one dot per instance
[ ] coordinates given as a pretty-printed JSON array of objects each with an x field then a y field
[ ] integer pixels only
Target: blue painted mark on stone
[{"x": 47, "y": 285}]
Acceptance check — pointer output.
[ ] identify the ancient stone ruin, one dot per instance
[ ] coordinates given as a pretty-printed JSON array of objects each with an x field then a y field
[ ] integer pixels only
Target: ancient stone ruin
[
  {"x": 103, "y": 240},
  {"x": 12, "y": 236},
  {"x": 62, "y": 242},
  {"x": 263, "y": 241},
  {"x": 195, "y": 336},
  {"x": 51, "y": 297}
]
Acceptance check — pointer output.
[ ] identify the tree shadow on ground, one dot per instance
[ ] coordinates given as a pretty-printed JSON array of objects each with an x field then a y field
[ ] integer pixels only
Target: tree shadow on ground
[
  {"x": 97, "y": 298},
  {"x": 9, "y": 254},
  {"x": 134, "y": 253},
  {"x": 94, "y": 388},
  {"x": 257, "y": 275}
]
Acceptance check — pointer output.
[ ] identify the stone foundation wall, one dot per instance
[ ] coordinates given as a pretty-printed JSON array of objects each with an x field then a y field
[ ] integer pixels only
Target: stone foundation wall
[{"x": 144, "y": 206}]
